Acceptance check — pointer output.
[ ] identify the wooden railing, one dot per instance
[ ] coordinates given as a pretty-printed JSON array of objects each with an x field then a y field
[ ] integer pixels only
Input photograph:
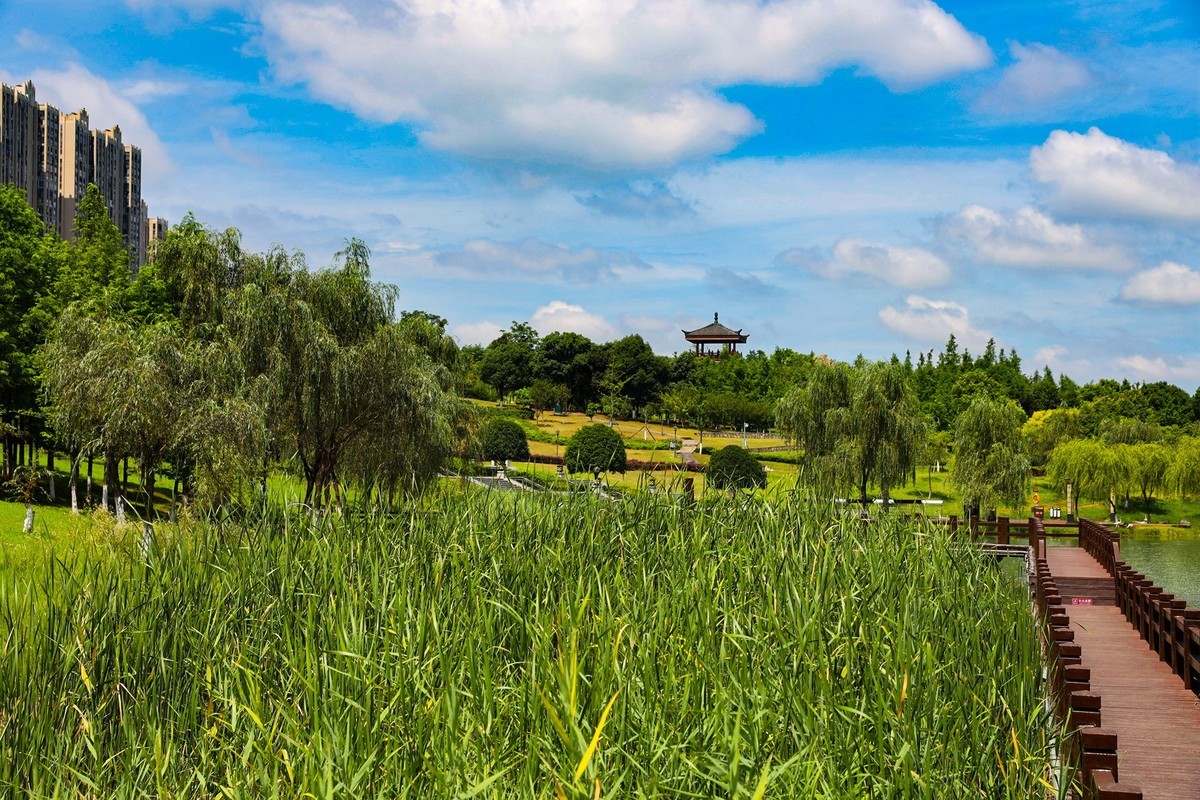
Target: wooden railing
[
  {"x": 1169, "y": 627},
  {"x": 1089, "y": 746}
]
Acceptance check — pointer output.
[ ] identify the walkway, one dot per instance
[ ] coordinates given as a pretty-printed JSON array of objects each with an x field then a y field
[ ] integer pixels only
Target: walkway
[{"x": 1156, "y": 719}]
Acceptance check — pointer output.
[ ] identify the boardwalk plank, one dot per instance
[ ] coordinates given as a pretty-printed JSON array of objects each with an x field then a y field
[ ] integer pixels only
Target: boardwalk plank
[{"x": 1156, "y": 719}]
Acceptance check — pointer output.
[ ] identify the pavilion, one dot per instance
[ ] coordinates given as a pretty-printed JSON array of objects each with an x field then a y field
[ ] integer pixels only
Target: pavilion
[{"x": 716, "y": 334}]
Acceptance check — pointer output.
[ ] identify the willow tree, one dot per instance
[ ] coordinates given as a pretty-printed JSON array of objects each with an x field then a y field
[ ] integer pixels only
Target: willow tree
[
  {"x": 991, "y": 465},
  {"x": 74, "y": 380},
  {"x": 149, "y": 393},
  {"x": 1184, "y": 473},
  {"x": 351, "y": 393},
  {"x": 1095, "y": 468},
  {"x": 1146, "y": 464},
  {"x": 859, "y": 426}
]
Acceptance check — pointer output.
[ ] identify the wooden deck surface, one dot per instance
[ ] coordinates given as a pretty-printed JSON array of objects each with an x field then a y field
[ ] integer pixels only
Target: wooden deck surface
[{"x": 1156, "y": 719}]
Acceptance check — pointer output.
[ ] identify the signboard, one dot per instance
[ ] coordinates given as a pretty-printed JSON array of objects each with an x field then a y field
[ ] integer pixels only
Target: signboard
[{"x": 1081, "y": 601}]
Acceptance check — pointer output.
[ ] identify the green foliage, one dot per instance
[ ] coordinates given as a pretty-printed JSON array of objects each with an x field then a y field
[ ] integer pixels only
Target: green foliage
[
  {"x": 595, "y": 449},
  {"x": 503, "y": 440},
  {"x": 28, "y": 266},
  {"x": 858, "y": 426},
  {"x": 991, "y": 466},
  {"x": 1094, "y": 467},
  {"x": 545, "y": 395},
  {"x": 281, "y": 657},
  {"x": 1184, "y": 473},
  {"x": 1045, "y": 430},
  {"x": 507, "y": 363},
  {"x": 734, "y": 467}
]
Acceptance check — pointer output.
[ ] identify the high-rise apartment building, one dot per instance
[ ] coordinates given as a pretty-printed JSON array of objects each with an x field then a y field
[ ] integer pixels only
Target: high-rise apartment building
[
  {"x": 131, "y": 206},
  {"x": 49, "y": 155},
  {"x": 74, "y": 168},
  {"x": 53, "y": 157},
  {"x": 108, "y": 170},
  {"x": 19, "y": 138},
  {"x": 156, "y": 231}
]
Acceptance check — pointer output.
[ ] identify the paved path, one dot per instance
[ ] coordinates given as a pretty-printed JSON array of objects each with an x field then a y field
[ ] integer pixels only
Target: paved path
[{"x": 1156, "y": 719}]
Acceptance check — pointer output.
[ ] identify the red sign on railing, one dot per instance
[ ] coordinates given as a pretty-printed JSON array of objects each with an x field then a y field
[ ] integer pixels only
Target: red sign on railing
[{"x": 1081, "y": 601}]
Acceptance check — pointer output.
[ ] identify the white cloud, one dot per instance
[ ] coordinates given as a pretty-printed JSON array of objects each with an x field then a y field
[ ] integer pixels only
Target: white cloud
[
  {"x": 1167, "y": 283},
  {"x": 558, "y": 315},
  {"x": 1177, "y": 369},
  {"x": 531, "y": 259},
  {"x": 597, "y": 83},
  {"x": 912, "y": 267},
  {"x": 75, "y": 87},
  {"x": 1028, "y": 238},
  {"x": 1098, "y": 173},
  {"x": 1040, "y": 76},
  {"x": 476, "y": 332},
  {"x": 1061, "y": 361},
  {"x": 933, "y": 321}
]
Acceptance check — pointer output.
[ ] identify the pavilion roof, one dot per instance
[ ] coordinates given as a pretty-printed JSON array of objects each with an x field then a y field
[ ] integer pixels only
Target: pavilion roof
[{"x": 715, "y": 332}]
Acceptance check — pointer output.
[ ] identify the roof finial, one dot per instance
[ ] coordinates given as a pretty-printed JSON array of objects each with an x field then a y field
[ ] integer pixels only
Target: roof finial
[{"x": 714, "y": 316}]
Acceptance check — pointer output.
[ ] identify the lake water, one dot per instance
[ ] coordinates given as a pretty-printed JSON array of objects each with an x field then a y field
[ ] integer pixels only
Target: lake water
[{"x": 1170, "y": 558}]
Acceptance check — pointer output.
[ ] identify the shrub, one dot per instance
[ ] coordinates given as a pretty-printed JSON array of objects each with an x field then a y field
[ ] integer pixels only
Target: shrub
[
  {"x": 504, "y": 440},
  {"x": 595, "y": 449},
  {"x": 733, "y": 467}
]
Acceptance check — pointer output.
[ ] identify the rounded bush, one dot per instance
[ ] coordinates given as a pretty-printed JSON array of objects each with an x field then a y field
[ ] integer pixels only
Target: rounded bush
[
  {"x": 504, "y": 440},
  {"x": 595, "y": 449},
  {"x": 733, "y": 467}
]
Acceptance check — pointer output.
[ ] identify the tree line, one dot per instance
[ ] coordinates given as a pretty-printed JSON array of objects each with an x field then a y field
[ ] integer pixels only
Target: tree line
[
  {"x": 216, "y": 365},
  {"x": 624, "y": 378}
]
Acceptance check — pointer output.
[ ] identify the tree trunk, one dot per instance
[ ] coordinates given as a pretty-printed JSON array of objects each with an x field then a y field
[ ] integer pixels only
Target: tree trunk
[
  {"x": 28, "y": 526},
  {"x": 148, "y": 477},
  {"x": 73, "y": 484},
  {"x": 89, "y": 480},
  {"x": 174, "y": 493}
]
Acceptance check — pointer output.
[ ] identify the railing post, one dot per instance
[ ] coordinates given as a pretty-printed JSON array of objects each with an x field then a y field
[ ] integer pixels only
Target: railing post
[{"x": 1002, "y": 530}]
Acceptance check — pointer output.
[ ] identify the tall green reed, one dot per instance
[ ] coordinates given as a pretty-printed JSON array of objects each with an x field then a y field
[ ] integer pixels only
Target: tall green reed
[{"x": 519, "y": 646}]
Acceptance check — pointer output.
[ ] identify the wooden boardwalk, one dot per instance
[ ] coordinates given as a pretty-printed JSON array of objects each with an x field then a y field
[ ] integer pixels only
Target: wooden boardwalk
[{"x": 1156, "y": 718}]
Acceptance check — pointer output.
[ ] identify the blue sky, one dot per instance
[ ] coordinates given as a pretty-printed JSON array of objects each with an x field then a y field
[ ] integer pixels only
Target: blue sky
[{"x": 841, "y": 177}]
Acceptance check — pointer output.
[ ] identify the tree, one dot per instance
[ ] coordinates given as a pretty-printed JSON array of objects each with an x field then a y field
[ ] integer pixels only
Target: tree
[
  {"x": 935, "y": 452},
  {"x": 545, "y": 395},
  {"x": 25, "y": 482},
  {"x": 633, "y": 372},
  {"x": 859, "y": 426},
  {"x": 1127, "y": 430},
  {"x": 1045, "y": 430},
  {"x": 353, "y": 395},
  {"x": 1169, "y": 405},
  {"x": 1184, "y": 473},
  {"x": 733, "y": 467},
  {"x": 507, "y": 363},
  {"x": 97, "y": 273},
  {"x": 28, "y": 268},
  {"x": 504, "y": 440},
  {"x": 1092, "y": 467},
  {"x": 1148, "y": 464},
  {"x": 991, "y": 466},
  {"x": 567, "y": 358},
  {"x": 595, "y": 448}
]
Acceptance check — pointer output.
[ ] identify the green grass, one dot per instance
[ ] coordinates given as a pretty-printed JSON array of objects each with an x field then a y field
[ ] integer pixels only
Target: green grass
[{"x": 525, "y": 646}]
